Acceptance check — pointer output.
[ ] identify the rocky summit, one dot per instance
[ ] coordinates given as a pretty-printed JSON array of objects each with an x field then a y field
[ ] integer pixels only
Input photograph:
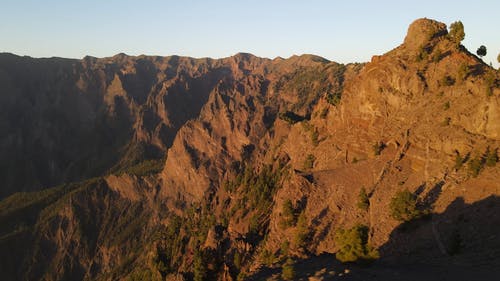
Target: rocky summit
[{"x": 247, "y": 168}]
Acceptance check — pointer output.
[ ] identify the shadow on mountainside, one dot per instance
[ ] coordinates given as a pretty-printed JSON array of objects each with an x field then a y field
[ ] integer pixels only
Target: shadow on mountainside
[{"x": 462, "y": 243}]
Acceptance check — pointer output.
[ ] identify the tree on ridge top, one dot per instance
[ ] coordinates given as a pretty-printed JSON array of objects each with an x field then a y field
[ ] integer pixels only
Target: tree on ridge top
[
  {"x": 457, "y": 33},
  {"x": 481, "y": 51}
]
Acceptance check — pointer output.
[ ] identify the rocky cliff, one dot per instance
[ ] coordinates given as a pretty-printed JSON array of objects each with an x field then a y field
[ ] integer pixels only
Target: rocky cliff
[{"x": 242, "y": 167}]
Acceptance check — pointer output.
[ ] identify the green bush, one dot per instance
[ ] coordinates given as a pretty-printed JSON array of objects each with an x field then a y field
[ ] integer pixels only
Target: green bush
[
  {"x": 459, "y": 161},
  {"x": 302, "y": 230},
  {"x": 288, "y": 215},
  {"x": 237, "y": 260},
  {"x": 268, "y": 257},
  {"x": 144, "y": 168},
  {"x": 363, "y": 200},
  {"x": 353, "y": 245},
  {"x": 288, "y": 270},
  {"x": 315, "y": 137},
  {"x": 404, "y": 206},
  {"x": 334, "y": 98},
  {"x": 199, "y": 266},
  {"x": 285, "y": 248},
  {"x": 447, "y": 81},
  {"x": 378, "y": 147},
  {"x": 309, "y": 162},
  {"x": 446, "y": 105},
  {"x": 491, "y": 157},
  {"x": 457, "y": 33},
  {"x": 475, "y": 166}
]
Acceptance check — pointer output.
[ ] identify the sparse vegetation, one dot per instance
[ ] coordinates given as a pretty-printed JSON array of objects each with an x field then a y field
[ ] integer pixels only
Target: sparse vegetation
[
  {"x": 324, "y": 113},
  {"x": 447, "y": 81},
  {"x": 436, "y": 56},
  {"x": 309, "y": 162},
  {"x": 353, "y": 245},
  {"x": 404, "y": 206},
  {"x": 315, "y": 137},
  {"x": 290, "y": 117},
  {"x": 334, "y": 98},
  {"x": 144, "y": 168},
  {"x": 457, "y": 33},
  {"x": 378, "y": 147},
  {"x": 363, "y": 200},
  {"x": 446, "y": 121},
  {"x": 463, "y": 71},
  {"x": 285, "y": 248},
  {"x": 475, "y": 166},
  {"x": 199, "y": 266},
  {"x": 289, "y": 217},
  {"x": 446, "y": 105},
  {"x": 491, "y": 157},
  {"x": 490, "y": 80},
  {"x": 268, "y": 257},
  {"x": 237, "y": 260},
  {"x": 302, "y": 230},
  {"x": 422, "y": 54},
  {"x": 459, "y": 161},
  {"x": 288, "y": 270}
]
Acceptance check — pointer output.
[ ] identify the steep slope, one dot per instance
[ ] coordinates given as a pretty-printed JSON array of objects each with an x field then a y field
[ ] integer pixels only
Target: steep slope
[
  {"x": 264, "y": 163},
  {"x": 65, "y": 120}
]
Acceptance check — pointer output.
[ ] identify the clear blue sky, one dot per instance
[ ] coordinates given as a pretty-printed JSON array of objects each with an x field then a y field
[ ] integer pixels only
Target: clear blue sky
[{"x": 343, "y": 31}]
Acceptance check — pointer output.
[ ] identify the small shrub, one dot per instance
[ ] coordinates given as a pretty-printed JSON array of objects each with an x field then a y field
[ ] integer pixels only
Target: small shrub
[
  {"x": 324, "y": 113},
  {"x": 404, "y": 206},
  {"x": 463, "y": 71},
  {"x": 446, "y": 121},
  {"x": 241, "y": 276},
  {"x": 199, "y": 267},
  {"x": 309, "y": 162},
  {"x": 447, "y": 81},
  {"x": 315, "y": 137},
  {"x": 353, "y": 245},
  {"x": 491, "y": 157},
  {"x": 334, "y": 98},
  {"x": 268, "y": 257},
  {"x": 288, "y": 270},
  {"x": 446, "y": 105},
  {"x": 459, "y": 161},
  {"x": 456, "y": 34},
  {"x": 288, "y": 215},
  {"x": 475, "y": 166},
  {"x": 237, "y": 260},
  {"x": 302, "y": 230},
  {"x": 378, "y": 147},
  {"x": 363, "y": 200},
  {"x": 285, "y": 248},
  {"x": 422, "y": 54}
]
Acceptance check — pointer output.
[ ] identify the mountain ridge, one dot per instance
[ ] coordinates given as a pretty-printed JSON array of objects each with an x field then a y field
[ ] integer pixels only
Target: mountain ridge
[{"x": 230, "y": 167}]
